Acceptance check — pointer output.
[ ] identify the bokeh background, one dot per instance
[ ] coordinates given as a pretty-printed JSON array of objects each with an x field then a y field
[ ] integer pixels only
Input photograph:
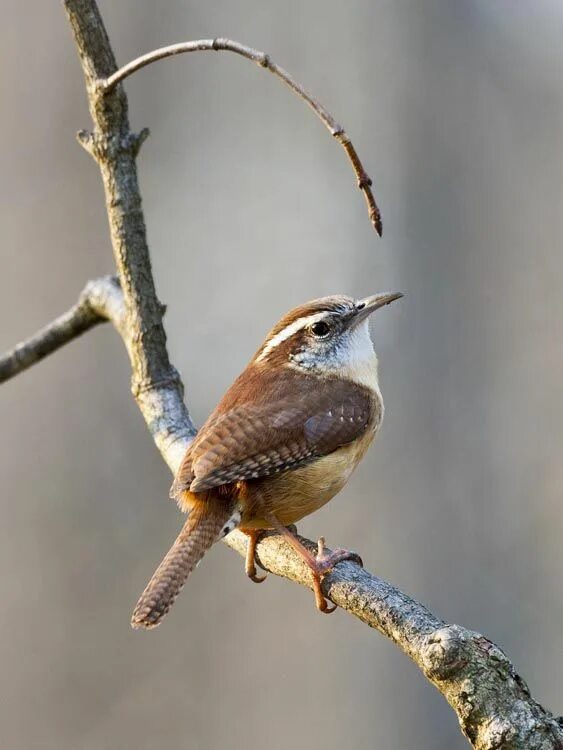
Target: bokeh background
[{"x": 456, "y": 108}]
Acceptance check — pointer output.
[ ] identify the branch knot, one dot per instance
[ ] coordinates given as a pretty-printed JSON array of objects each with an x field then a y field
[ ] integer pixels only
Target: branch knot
[
  {"x": 171, "y": 380},
  {"x": 104, "y": 147},
  {"x": 497, "y": 734},
  {"x": 443, "y": 652}
]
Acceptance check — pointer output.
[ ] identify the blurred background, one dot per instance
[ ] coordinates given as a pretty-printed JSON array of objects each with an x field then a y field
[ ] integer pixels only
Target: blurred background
[{"x": 456, "y": 108}]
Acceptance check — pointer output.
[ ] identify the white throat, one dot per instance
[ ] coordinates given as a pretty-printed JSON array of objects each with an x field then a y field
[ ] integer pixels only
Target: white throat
[
  {"x": 359, "y": 362},
  {"x": 354, "y": 358}
]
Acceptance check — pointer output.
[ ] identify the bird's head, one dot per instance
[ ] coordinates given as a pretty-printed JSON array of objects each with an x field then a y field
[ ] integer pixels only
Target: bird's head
[{"x": 326, "y": 337}]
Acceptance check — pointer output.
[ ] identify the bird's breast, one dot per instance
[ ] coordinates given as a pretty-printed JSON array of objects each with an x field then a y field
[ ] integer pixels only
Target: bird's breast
[{"x": 294, "y": 494}]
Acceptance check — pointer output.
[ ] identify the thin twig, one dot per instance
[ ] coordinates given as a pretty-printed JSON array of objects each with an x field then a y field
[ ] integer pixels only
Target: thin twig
[
  {"x": 106, "y": 85},
  {"x": 97, "y": 303}
]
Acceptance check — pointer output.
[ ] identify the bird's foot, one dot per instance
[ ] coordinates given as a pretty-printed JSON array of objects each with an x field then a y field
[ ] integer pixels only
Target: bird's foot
[
  {"x": 319, "y": 565},
  {"x": 250, "y": 560},
  {"x": 322, "y": 564}
]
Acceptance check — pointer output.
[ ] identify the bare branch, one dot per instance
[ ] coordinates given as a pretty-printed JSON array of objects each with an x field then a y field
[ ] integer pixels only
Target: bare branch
[
  {"x": 493, "y": 703},
  {"x": 101, "y": 300},
  {"x": 155, "y": 383},
  {"x": 264, "y": 61}
]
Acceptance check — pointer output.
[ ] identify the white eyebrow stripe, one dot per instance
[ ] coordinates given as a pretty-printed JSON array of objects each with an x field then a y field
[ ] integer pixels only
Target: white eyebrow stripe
[{"x": 288, "y": 331}]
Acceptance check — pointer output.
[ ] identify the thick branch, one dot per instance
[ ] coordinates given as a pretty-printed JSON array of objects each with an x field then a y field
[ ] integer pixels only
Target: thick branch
[
  {"x": 493, "y": 704},
  {"x": 264, "y": 61},
  {"x": 155, "y": 383}
]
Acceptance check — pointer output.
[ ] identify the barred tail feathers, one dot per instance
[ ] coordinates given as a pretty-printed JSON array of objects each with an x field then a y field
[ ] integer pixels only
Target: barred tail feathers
[{"x": 208, "y": 521}]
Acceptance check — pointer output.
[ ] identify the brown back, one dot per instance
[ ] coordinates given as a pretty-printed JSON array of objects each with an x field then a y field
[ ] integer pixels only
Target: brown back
[{"x": 269, "y": 422}]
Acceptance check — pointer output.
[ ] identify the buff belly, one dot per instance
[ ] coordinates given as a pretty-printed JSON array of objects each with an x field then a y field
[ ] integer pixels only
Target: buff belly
[{"x": 295, "y": 494}]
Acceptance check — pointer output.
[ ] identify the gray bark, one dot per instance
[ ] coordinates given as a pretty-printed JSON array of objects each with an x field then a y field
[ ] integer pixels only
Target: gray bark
[
  {"x": 101, "y": 300},
  {"x": 156, "y": 384},
  {"x": 492, "y": 702}
]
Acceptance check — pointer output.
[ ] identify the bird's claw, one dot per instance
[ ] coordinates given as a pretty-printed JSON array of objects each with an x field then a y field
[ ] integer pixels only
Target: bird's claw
[
  {"x": 250, "y": 561},
  {"x": 323, "y": 563}
]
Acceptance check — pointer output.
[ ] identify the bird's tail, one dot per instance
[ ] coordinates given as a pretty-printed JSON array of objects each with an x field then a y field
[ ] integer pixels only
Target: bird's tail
[{"x": 209, "y": 521}]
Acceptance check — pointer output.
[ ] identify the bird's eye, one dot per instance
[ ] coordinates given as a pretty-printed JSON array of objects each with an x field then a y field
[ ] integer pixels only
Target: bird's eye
[{"x": 320, "y": 329}]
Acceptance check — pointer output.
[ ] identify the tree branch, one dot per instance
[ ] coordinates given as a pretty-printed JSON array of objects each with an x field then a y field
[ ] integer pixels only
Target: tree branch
[
  {"x": 155, "y": 383},
  {"x": 264, "y": 61},
  {"x": 493, "y": 703},
  {"x": 101, "y": 300}
]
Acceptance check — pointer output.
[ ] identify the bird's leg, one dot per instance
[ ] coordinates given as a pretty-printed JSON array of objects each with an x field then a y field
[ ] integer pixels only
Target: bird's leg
[
  {"x": 319, "y": 565},
  {"x": 250, "y": 560}
]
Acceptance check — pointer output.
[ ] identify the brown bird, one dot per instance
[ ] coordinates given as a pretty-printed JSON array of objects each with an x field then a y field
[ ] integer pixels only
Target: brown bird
[{"x": 282, "y": 442}]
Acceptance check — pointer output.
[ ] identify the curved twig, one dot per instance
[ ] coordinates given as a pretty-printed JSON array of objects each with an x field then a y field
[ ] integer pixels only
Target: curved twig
[{"x": 106, "y": 85}]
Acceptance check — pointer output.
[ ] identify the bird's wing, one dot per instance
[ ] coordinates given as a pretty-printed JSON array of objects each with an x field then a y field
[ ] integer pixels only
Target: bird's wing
[{"x": 249, "y": 441}]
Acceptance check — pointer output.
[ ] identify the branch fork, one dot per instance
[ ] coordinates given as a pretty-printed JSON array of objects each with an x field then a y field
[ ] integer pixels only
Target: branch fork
[
  {"x": 102, "y": 147},
  {"x": 492, "y": 702}
]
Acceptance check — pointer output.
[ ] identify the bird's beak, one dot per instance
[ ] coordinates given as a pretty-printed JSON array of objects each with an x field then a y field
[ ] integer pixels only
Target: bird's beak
[{"x": 366, "y": 306}]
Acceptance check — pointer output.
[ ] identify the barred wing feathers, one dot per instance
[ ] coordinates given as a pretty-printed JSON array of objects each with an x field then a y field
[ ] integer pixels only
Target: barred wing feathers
[{"x": 251, "y": 441}]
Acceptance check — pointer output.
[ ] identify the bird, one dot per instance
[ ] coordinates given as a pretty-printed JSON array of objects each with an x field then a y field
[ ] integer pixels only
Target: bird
[{"x": 281, "y": 443}]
